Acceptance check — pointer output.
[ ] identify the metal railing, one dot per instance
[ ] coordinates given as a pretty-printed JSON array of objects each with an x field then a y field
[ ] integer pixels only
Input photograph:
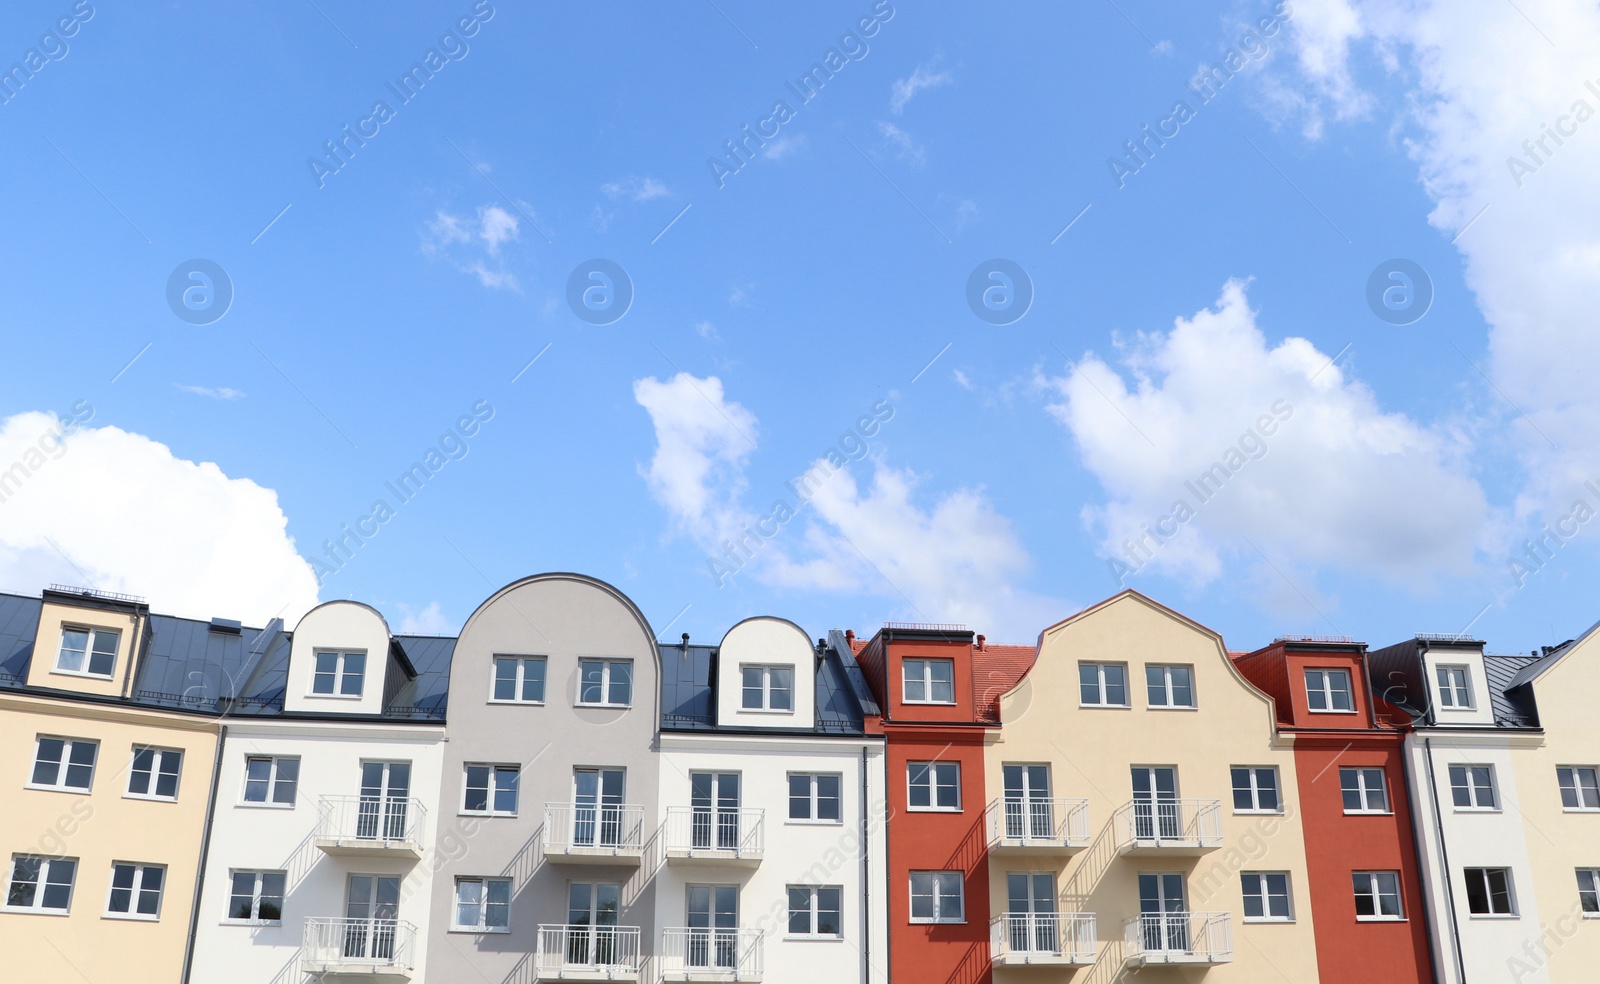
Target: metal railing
[
  {"x": 597, "y": 829},
  {"x": 609, "y": 950},
  {"x": 1028, "y": 936},
  {"x": 1180, "y": 937},
  {"x": 712, "y": 954},
  {"x": 374, "y": 819},
  {"x": 1195, "y": 823},
  {"x": 1039, "y": 822},
  {"x": 706, "y": 830},
  {"x": 361, "y": 945}
]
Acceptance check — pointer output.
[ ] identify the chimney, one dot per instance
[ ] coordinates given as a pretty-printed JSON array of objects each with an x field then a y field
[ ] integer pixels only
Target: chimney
[
  {"x": 980, "y": 643},
  {"x": 849, "y": 635}
]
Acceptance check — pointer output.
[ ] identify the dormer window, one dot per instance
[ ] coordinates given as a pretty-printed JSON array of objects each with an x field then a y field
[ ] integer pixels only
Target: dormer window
[
  {"x": 1455, "y": 687},
  {"x": 88, "y": 652},
  {"x": 339, "y": 674},
  {"x": 768, "y": 688},
  {"x": 1328, "y": 691},
  {"x": 929, "y": 681}
]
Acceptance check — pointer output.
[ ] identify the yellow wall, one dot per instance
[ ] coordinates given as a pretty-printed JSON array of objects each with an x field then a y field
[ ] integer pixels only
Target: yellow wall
[
  {"x": 98, "y": 828},
  {"x": 1091, "y": 751},
  {"x": 42, "y": 668}
]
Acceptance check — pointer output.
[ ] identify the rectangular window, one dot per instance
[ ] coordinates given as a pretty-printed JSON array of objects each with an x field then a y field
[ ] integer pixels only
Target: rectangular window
[
  {"x": 270, "y": 780},
  {"x": 1377, "y": 895},
  {"x": 1255, "y": 789},
  {"x": 815, "y": 911},
  {"x": 1364, "y": 791},
  {"x": 483, "y": 905},
  {"x": 41, "y": 884},
  {"x": 936, "y": 897},
  {"x": 1489, "y": 892},
  {"x": 1169, "y": 686},
  {"x": 64, "y": 763},
  {"x": 1328, "y": 690},
  {"x": 814, "y": 797},
  {"x": 1472, "y": 787},
  {"x": 1266, "y": 896},
  {"x": 1455, "y": 688},
  {"x": 929, "y": 681},
  {"x": 1580, "y": 787},
  {"x": 605, "y": 682},
  {"x": 154, "y": 774},
  {"x": 768, "y": 688},
  {"x": 1103, "y": 684},
  {"x": 257, "y": 897},
  {"x": 519, "y": 679},
  {"x": 1589, "y": 891},
  {"x": 136, "y": 890},
  {"x": 491, "y": 790},
  {"x": 339, "y": 674},
  {"x": 934, "y": 785},
  {"x": 88, "y": 652}
]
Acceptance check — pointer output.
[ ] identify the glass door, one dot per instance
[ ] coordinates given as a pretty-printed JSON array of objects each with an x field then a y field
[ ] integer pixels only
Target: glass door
[
  {"x": 713, "y": 926},
  {"x": 592, "y": 923},
  {"x": 1031, "y": 905},
  {"x": 372, "y": 906},
  {"x": 597, "y": 796},
  {"x": 1166, "y": 916},
  {"x": 715, "y": 798},
  {"x": 1029, "y": 811},
  {"x": 385, "y": 791},
  {"x": 1155, "y": 803}
]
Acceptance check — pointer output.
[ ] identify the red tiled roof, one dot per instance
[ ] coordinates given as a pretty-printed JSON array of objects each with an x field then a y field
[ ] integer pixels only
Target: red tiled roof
[{"x": 995, "y": 670}]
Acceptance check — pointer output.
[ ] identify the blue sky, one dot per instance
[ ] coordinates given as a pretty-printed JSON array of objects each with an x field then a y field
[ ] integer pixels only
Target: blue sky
[{"x": 776, "y": 306}]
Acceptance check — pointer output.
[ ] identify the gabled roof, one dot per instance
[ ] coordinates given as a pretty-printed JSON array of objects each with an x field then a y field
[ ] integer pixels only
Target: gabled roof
[
  {"x": 1513, "y": 703},
  {"x": 995, "y": 670}
]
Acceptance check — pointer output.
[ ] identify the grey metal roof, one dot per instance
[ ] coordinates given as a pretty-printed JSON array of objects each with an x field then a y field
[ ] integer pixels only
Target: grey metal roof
[
  {"x": 189, "y": 664},
  {"x": 19, "y": 620},
  {"x": 1512, "y": 701}
]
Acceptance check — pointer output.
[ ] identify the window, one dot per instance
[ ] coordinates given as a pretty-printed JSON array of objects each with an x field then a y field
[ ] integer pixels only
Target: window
[
  {"x": 1266, "y": 896},
  {"x": 934, "y": 785},
  {"x": 491, "y": 789},
  {"x": 341, "y": 674},
  {"x": 1455, "y": 689},
  {"x": 64, "y": 763},
  {"x": 815, "y": 911},
  {"x": 768, "y": 688},
  {"x": 929, "y": 681},
  {"x": 154, "y": 773},
  {"x": 1377, "y": 894},
  {"x": 483, "y": 905},
  {"x": 1589, "y": 891},
  {"x": 1169, "y": 686},
  {"x": 814, "y": 797},
  {"x": 936, "y": 897},
  {"x": 136, "y": 890},
  {"x": 257, "y": 897},
  {"x": 41, "y": 884},
  {"x": 1363, "y": 790},
  {"x": 1472, "y": 787},
  {"x": 270, "y": 780},
  {"x": 1489, "y": 892},
  {"x": 605, "y": 682},
  {"x": 1255, "y": 790},
  {"x": 1103, "y": 684},
  {"x": 1328, "y": 690},
  {"x": 519, "y": 679},
  {"x": 88, "y": 652},
  {"x": 1580, "y": 787}
]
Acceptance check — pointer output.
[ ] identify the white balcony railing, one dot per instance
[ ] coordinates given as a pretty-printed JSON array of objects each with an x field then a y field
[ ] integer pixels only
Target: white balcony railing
[
  {"x": 1043, "y": 938},
  {"x": 708, "y": 833},
  {"x": 593, "y": 832},
  {"x": 1173, "y": 825},
  {"x": 712, "y": 955},
  {"x": 377, "y": 947},
  {"x": 1046, "y": 824},
  {"x": 363, "y": 824},
  {"x": 1179, "y": 937},
  {"x": 609, "y": 953}
]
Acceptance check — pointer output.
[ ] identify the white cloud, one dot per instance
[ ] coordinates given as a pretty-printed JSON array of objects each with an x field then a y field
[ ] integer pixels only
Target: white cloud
[
  {"x": 923, "y": 77},
  {"x": 496, "y": 226},
  {"x": 635, "y": 189},
  {"x": 777, "y": 150},
  {"x": 702, "y": 440},
  {"x": 1162, "y": 47},
  {"x": 119, "y": 511},
  {"x": 901, "y": 143},
  {"x": 489, "y": 230},
  {"x": 221, "y": 393},
  {"x": 1339, "y": 483},
  {"x": 962, "y": 380},
  {"x": 429, "y": 621},
  {"x": 706, "y": 330}
]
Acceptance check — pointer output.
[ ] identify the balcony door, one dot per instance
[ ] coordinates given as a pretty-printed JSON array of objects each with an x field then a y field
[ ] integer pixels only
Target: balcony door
[
  {"x": 713, "y": 926},
  {"x": 1155, "y": 802},
  {"x": 592, "y": 921},
  {"x": 385, "y": 796},
  {"x": 1031, "y": 908},
  {"x": 1164, "y": 911},
  {"x": 715, "y": 798},
  {"x": 372, "y": 906},
  {"x": 1029, "y": 810},
  {"x": 597, "y": 798}
]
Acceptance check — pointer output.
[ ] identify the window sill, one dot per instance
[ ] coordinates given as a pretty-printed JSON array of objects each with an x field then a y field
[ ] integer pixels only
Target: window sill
[
  {"x": 1494, "y": 915},
  {"x": 1580, "y": 809},
  {"x": 1258, "y": 813},
  {"x": 1381, "y": 919},
  {"x": 798, "y": 822},
  {"x": 1591, "y": 915},
  {"x": 130, "y": 917},
  {"x": 1172, "y": 707},
  {"x": 527, "y": 703},
  {"x": 20, "y": 911},
  {"x": 486, "y": 815},
  {"x": 1369, "y": 813},
  {"x": 933, "y": 809},
  {"x": 247, "y": 805},
  {"x": 929, "y": 703},
  {"x": 767, "y": 710},
  {"x": 480, "y": 931},
  {"x": 938, "y": 922},
  {"x": 1264, "y": 920},
  {"x": 1478, "y": 809},
  {"x": 602, "y": 706},
  {"x": 316, "y": 696},
  {"x": 811, "y": 938},
  {"x": 103, "y": 677},
  {"x": 252, "y": 923},
  {"x": 1330, "y": 710},
  {"x": 74, "y": 790},
  {"x": 1104, "y": 707},
  {"x": 150, "y": 799}
]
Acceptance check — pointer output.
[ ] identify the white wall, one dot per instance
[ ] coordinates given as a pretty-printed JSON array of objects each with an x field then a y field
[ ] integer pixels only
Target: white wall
[
  {"x": 346, "y": 626},
  {"x": 1482, "y": 711},
  {"x": 769, "y": 642}
]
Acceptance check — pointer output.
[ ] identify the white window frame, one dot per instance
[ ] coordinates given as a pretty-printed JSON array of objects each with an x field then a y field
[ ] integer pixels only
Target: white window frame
[
  {"x": 340, "y": 673},
  {"x": 814, "y": 798},
  {"x": 1325, "y": 676},
  {"x": 490, "y": 790},
  {"x": 274, "y": 778},
  {"x": 1377, "y": 894},
  {"x": 1458, "y": 673},
  {"x": 933, "y": 770},
  {"x": 456, "y": 926},
  {"x": 46, "y": 866},
  {"x": 519, "y": 679},
  {"x": 1589, "y": 892},
  {"x": 1260, "y": 889},
  {"x": 1578, "y": 789},
  {"x": 813, "y": 901},
  {"x": 89, "y": 651},
  {"x": 67, "y": 745},
  {"x": 159, "y": 758},
  {"x": 1473, "y": 789},
  {"x": 1365, "y": 791},
  {"x": 1100, "y": 682},
  {"x": 139, "y": 872},
  {"x": 606, "y": 663},
  {"x": 767, "y": 670},
  {"x": 1168, "y": 690},
  {"x": 926, "y": 680},
  {"x": 257, "y": 894},
  {"x": 938, "y": 880},
  {"x": 1511, "y": 893},
  {"x": 1255, "y": 789}
]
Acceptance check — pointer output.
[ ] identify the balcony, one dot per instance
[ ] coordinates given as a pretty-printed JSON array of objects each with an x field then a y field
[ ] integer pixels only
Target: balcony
[
  {"x": 370, "y": 827},
  {"x": 1174, "y": 828},
  {"x": 706, "y": 836},
  {"x": 1038, "y": 826},
  {"x": 358, "y": 949},
  {"x": 1042, "y": 939},
  {"x": 588, "y": 953},
  {"x": 712, "y": 955},
  {"x": 1191, "y": 938},
  {"x": 593, "y": 834}
]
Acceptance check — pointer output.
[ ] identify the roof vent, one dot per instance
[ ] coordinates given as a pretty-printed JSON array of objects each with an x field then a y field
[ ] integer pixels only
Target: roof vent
[{"x": 227, "y": 625}]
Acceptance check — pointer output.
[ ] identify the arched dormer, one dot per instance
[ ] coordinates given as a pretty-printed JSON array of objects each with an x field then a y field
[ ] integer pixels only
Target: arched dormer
[{"x": 343, "y": 661}]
